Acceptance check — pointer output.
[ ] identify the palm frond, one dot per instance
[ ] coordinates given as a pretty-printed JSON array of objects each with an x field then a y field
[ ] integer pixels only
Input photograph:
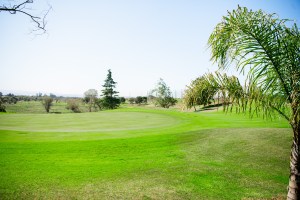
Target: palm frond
[{"x": 270, "y": 48}]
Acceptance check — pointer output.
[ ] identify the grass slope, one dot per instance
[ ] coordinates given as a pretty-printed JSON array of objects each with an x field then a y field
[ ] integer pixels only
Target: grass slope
[{"x": 139, "y": 153}]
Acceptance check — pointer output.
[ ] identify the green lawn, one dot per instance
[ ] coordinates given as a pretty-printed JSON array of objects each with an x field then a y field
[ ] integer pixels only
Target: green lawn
[
  {"x": 37, "y": 107},
  {"x": 137, "y": 153}
]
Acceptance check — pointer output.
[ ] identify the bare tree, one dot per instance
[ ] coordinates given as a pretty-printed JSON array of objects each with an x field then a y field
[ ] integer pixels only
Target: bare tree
[
  {"x": 23, "y": 8},
  {"x": 90, "y": 97}
]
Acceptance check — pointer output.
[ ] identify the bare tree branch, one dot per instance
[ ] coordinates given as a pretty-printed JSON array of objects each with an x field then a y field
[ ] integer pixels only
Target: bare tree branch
[{"x": 40, "y": 22}]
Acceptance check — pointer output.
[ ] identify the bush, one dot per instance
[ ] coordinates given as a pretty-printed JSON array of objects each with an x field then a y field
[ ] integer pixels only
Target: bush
[
  {"x": 139, "y": 100},
  {"x": 109, "y": 103},
  {"x": 131, "y": 100},
  {"x": 145, "y": 100},
  {"x": 47, "y": 103},
  {"x": 73, "y": 104},
  {"x": 166, "y": 102},
  {"x": 2, "y": 107},
  {"x": 163, "y": 95},
  {"x": 122, "y": 99}
]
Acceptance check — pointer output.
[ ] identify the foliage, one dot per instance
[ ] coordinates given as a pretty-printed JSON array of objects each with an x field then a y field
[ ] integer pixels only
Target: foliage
[
  {"x": 151, "y": 98},
  {"x": 166, "y": 102},
  {"x": 90, "y": 97},
  {"x": 131, "y": 100},
  {"x": 139, "y": 100},
  {"x": 273, "y": 53},
  {"x": 10, "y": 98},
  {"x": 216, "y": 86},
  {"x": 108, "y": 103},
  {"x": 122, "y": 99},
  {"x": 47, "y": 103},
  {"x": 73, "y": 104},
  {"x": 145, "y": 100},
  {"x": 2, "y": 106},
  {"x": 52, "y": 95},
  {"x": 272, "y": 50},
  {"x": 200, "y": 92},
  {"x": 163, "y": 95},
  {"x": 110, "y": 98}
]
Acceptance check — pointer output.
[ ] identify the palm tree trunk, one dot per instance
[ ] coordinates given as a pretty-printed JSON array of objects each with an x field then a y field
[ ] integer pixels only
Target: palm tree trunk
[{"x": 294, "y": 181}]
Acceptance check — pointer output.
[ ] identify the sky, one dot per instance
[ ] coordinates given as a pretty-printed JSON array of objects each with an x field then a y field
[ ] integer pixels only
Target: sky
[{"x": 141, "y": 41}]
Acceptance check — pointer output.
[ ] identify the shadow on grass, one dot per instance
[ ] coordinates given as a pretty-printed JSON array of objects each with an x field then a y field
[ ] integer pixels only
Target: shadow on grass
[{"x": 209, "y": 107}]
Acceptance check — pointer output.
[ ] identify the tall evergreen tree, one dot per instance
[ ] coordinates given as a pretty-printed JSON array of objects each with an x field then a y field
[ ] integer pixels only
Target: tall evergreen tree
[{"x": 110, "y": 98}]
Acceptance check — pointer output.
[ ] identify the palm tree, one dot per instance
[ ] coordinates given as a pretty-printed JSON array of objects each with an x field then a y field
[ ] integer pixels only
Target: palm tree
[
  {"x": 213, "y": 86},
  {"x": 270, "y": 49},
  {"x": 201, "y": 91}
]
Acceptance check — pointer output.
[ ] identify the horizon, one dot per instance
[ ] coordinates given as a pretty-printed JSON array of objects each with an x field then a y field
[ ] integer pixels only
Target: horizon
[{"x": 176, "y": 94}]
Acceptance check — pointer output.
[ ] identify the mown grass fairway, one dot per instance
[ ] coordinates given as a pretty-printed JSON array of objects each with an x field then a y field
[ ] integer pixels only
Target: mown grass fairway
[{"x": 136, "y": 153}]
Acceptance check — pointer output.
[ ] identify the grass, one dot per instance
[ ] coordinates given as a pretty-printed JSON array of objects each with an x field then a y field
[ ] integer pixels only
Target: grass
[
  {"x": 37, "y": 107},
  {"x": 138, "y": 153}
]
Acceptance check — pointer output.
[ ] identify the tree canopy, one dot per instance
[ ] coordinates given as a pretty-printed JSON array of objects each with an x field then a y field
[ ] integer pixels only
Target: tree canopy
[
  {"x": 163, "y": 95},
  {"x": 90, "y": 97}
]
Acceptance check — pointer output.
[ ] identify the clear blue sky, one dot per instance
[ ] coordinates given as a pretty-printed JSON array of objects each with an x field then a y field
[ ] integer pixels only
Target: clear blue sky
[{"x": 139, "y": 40}]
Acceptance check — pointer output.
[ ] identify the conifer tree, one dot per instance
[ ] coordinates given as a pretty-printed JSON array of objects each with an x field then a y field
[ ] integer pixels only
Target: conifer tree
[{"x": 110, "y": 98}]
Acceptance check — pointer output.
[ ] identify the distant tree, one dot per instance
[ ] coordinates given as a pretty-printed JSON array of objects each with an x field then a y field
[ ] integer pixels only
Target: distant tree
[
  {"x": 99, "y": 103},
  {"x": 189, "y": 98},
  {"x": 166, "y": 102},
  {"x": 39, "y": 94},
  {"x": 73, "y": 104},
  {"x": 131, "y": 100},
  {"x": 151, "y": 98},
  {"x": 10, "y": 98},
  {"x": 90, "y": 97},
  {"x": 2, "y": 106},
  {"x": 145, "y": 100},
  {"x": 163, "y": 95},
  {"x": 110, "y": 98},
  {"x": 52, "y": 95},
  {"x": 122, "y": 99},
  {"x": 24, "y": 9},
  {"x": 47, "y": 103},
  {"x": 139, "y": 100}
]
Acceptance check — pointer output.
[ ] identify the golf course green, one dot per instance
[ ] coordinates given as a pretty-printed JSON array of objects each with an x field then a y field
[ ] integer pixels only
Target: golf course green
[{"x": 142, "y": 153}]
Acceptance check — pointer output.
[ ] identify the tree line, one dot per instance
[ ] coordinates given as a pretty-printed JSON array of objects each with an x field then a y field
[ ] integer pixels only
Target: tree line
[{"x": 160, "y": 96}]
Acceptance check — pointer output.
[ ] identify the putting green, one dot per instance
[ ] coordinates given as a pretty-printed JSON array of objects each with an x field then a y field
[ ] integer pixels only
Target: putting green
[{"x": 85, "y": 122}]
